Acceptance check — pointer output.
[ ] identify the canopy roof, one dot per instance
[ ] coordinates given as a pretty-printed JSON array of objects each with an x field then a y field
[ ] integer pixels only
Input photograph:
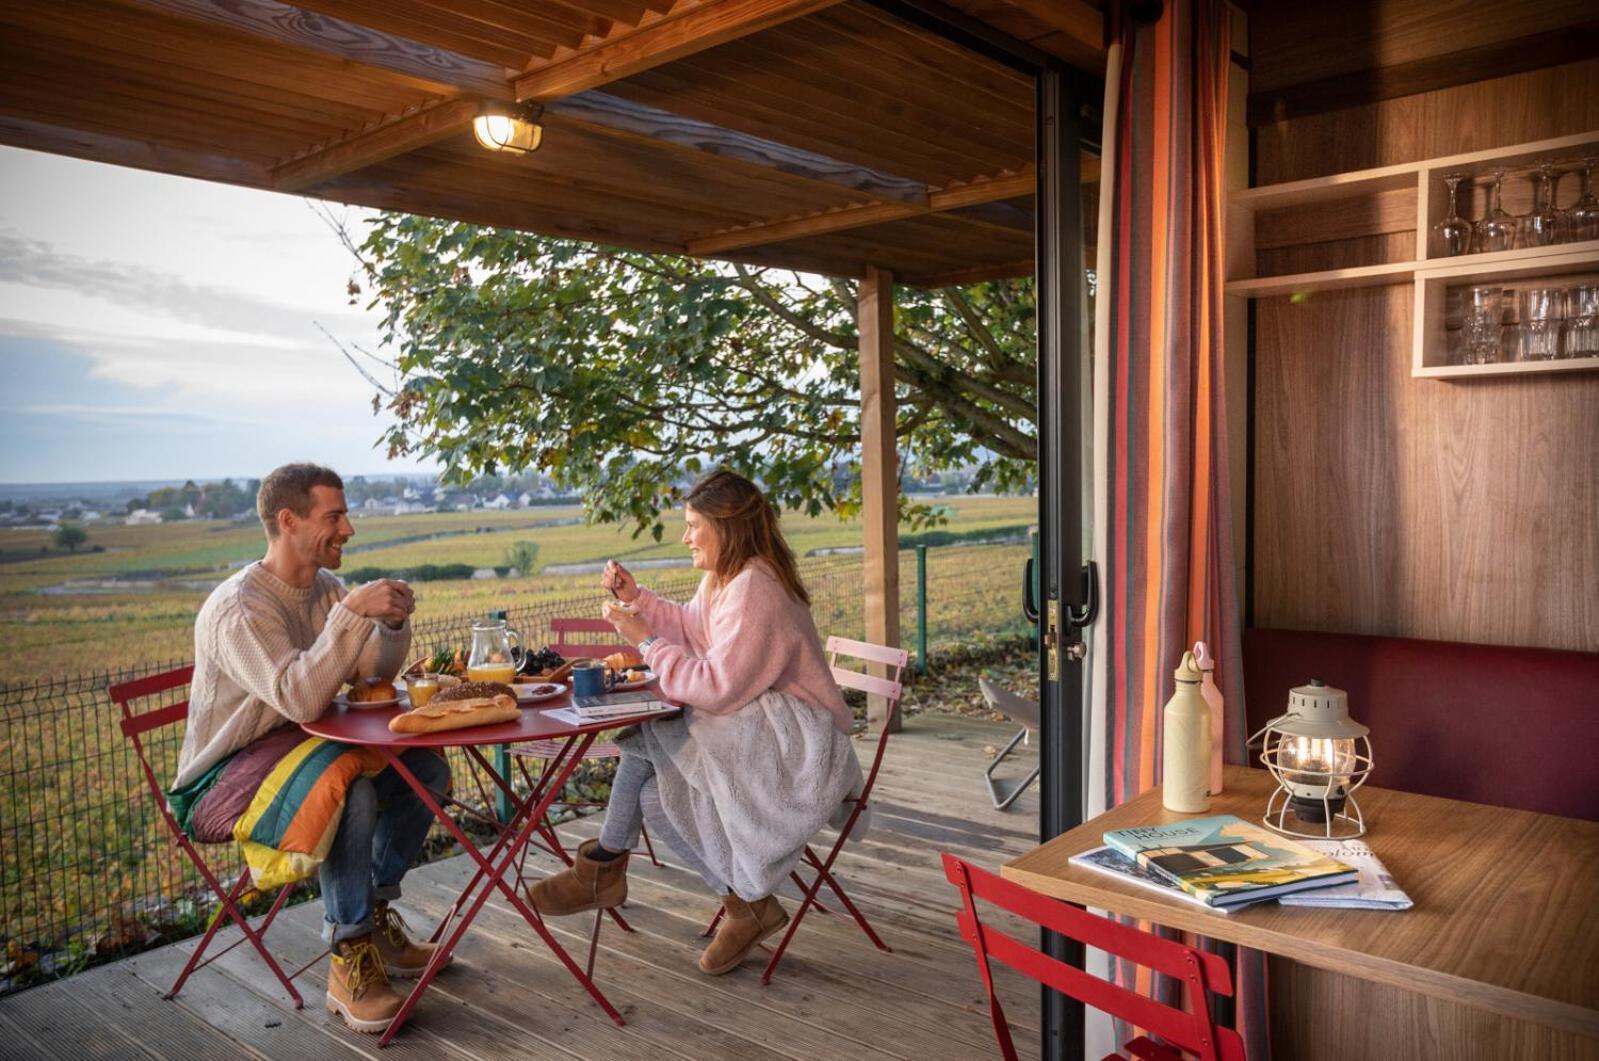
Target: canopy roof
[{"x": 809, "y": 134}]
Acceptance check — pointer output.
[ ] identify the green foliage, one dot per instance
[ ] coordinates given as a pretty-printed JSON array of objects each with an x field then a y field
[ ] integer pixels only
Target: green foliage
[
  {"x": 623, "y": 374},
  {"x": 420, "y": 573},
  {"x": 524, "y": 556},
  {"x": 70, "y": 536}
]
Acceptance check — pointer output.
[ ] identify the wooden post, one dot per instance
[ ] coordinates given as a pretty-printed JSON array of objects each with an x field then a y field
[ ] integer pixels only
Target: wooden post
[{"x": 879, "y": 471}]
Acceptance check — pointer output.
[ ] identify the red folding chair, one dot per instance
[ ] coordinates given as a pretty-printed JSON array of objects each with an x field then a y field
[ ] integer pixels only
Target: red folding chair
[
  {"x": 1185, "y": 1032},
  {"x": 134, "y": 726},
  {"x": 561, "y": 627},
  {"x": 893, "y": 661}
]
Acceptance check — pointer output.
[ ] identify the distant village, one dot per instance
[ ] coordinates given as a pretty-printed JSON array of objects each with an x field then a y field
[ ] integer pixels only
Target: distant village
[
  {"x": 84, "y": 505},
  {"x": 235, "y": 499}
]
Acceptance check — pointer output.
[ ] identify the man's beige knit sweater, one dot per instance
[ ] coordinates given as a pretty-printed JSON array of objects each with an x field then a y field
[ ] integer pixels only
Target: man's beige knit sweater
[{"x": 267, "y": 654}]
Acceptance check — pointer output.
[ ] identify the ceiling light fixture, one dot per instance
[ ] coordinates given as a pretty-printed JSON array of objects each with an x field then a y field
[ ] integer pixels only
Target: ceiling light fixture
[{"x": 510, "y": 127}]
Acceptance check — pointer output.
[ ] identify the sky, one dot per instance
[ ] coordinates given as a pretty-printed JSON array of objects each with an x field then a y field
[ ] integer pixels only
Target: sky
[{"x": 155, "y": 327}]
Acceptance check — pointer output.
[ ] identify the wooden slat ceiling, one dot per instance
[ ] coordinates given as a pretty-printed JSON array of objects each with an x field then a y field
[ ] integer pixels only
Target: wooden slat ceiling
[{"x": 809, "y": 134}]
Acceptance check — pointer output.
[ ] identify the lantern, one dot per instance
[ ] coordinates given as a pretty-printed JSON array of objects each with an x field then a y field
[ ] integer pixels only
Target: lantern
[
  {"x": 512, "y": 128},
  {"x": 1318, "y": 756}
]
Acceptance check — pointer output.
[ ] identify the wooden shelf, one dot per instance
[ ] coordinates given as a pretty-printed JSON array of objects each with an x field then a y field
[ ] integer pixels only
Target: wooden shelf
[
  {"x": 1326, "y": 280},
  {"x": 1557, "y": 258},
  {"x": 1404, "y": 174},
  {"x": 1508, "y": 368}
]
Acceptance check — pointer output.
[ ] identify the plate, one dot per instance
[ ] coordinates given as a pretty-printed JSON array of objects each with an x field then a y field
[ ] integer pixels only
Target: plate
[
  {"x": 619, "y": 687},
  {"x": 538, "y": 692},
  {"x": 364, "y": 705}
]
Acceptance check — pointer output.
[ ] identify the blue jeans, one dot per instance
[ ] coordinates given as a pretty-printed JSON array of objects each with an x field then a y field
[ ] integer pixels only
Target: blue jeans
[{"x": 380, "y": 835}]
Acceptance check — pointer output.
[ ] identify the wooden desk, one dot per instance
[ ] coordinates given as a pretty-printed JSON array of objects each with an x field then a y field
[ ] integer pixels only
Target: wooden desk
[{"x": 1498, "y": 959}]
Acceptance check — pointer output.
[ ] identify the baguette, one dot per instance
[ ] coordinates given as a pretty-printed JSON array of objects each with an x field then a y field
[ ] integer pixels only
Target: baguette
[{"x": 457, "y": 714}]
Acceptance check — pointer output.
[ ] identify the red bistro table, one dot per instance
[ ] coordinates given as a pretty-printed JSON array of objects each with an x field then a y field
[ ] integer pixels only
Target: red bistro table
[{"x": 370, "y": 727}]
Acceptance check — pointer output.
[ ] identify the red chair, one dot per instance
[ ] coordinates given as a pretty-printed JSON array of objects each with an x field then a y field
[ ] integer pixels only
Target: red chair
[
  {"x": 134, "y": 726},
  {"x": 1199, "y": 972},
  {"x": 890, "y": 687},
  {"x": 561, "y": 627}
]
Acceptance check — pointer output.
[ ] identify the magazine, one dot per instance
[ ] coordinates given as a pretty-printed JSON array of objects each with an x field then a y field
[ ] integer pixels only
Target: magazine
[
  {"x": 1374, "y": 889},
  {"x": 1225, "y": 860},
  {"x": 1110, "y": 861}
]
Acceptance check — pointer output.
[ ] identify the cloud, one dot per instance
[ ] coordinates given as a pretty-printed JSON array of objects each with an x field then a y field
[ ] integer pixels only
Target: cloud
[{"x": 37, "y": 264}]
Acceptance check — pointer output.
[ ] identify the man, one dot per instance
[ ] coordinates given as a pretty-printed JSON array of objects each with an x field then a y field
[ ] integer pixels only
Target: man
[{"x": 272, "y": 646}]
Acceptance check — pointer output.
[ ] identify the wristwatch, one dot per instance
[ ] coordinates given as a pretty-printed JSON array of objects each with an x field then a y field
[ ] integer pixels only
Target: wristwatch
[{"x": 644, "y": 645}]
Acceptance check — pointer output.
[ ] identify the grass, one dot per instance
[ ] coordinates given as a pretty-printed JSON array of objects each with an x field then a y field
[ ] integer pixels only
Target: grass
[{"x": 49, "y": 634}]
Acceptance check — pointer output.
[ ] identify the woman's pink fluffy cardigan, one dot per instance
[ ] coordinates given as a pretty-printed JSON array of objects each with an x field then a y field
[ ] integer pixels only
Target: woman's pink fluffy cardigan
[{"x": 726, "y": 647}]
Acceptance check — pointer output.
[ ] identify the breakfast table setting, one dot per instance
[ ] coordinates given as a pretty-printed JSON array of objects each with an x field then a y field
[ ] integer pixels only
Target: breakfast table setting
[{"x": 477, "y": 715}]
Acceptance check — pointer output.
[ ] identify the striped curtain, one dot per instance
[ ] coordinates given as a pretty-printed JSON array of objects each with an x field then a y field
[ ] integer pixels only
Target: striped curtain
[{"x": 1162, "y": 515}]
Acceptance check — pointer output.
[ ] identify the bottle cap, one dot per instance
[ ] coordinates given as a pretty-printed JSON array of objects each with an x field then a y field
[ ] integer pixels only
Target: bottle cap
[
  {"x": 1202, "y": 656},
  {"x": 1186, "y": 670}
]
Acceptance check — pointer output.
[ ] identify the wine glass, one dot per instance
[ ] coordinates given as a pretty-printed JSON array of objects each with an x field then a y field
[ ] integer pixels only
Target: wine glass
[
  {"x": 1497, "y": 229},
  {"x": 1584, "y": 214},
  {"x": 1541, "y": 227},
  {"x": 1454, "y": 231}
]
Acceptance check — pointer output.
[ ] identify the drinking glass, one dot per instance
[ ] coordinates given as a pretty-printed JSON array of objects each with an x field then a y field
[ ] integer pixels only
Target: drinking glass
[
  {"x": 1541, "y": 227},
  {"x": 1454, "y": 231},
  {"x": 1584, "y": 214},
  {"x": 1497, "y": 229},
  {"x": 1582, "y": 321},
  {"x": 1540, "y": 323},
  {"x": 1482, "y": 328}
]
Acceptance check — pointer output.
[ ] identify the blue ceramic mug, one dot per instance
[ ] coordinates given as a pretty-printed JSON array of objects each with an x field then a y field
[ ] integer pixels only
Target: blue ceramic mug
[{"x": 591, "y": 677}]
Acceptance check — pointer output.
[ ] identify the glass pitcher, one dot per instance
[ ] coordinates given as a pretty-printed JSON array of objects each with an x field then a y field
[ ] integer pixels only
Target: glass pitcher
[{"x": 497, "y": 652}]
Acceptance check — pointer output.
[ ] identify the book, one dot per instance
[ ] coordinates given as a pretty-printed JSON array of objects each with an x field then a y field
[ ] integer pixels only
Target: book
[
  {"x": 1225, "y": 860},
  {"x": 1373, "y": 889},
  {"x": 1109, "y": 861},
  {"x": 632, "y": 703}
]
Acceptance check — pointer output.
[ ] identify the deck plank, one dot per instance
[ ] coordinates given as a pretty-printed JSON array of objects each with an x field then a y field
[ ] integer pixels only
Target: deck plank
[{"x": 835, "y": 997}]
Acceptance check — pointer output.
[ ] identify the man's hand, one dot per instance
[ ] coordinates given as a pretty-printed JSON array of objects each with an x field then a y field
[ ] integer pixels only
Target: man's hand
[{"x": 387, "y": 600}]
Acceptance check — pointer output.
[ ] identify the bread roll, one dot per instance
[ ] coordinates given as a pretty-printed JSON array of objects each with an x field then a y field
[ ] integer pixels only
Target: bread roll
[
  {"x": 456, "y": 714},
  {"x": 368, "y": 690}
]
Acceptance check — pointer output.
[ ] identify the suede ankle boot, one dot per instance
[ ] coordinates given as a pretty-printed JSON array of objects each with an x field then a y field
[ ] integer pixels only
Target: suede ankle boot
[
  {"x": 743, "y": 926},
  {"x": 584, "y": 885},
  {"x": 402, "y": 956},
  {"x": 358, "y": 990}
]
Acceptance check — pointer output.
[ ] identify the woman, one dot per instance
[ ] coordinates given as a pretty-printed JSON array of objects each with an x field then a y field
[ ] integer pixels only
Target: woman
[{"x": 758, "y": 762}]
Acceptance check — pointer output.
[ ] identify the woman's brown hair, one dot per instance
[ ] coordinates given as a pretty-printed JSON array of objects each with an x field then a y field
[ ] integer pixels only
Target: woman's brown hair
[{"x": 746, "y": 529}]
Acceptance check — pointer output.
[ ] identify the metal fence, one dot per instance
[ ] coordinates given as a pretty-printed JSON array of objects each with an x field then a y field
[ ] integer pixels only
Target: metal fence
[{"x": 87, "y": 871}]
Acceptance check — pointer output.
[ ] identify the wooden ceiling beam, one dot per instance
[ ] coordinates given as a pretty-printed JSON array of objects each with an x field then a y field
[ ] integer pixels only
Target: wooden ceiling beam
[
  {"x": 271, "y": 20},
  {"x": 958, "y": 197},
  {"x": 651, "y": 126},
  {"x": 142, "y": 153},
  {"x": 1079, "y": 28},
  {"x": 398, "y": 135},
  {"x": 975, "y": 275},
  {"x": 687, "y": 28}
]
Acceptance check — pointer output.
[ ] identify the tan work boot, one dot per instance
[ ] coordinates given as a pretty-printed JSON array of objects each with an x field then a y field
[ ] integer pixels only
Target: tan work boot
[
  {"x": 402, "y": 957},
  {"x": 743, "y": 926},
  {"x": 584, "y": 885},
  {"x": 358, "y": 990}
]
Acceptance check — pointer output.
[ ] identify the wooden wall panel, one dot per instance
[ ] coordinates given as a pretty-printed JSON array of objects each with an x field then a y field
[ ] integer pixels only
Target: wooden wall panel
[{"x": 1384, "y": 504}]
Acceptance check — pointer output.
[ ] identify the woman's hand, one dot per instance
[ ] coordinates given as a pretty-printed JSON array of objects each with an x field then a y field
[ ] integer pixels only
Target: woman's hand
[
  {"x": 626, "y": 620},
  {"x": 620, "y": 582}
]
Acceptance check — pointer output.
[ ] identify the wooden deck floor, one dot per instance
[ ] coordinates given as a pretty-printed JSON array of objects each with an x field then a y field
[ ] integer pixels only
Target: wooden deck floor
[{"x": 834, "y": 996}]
